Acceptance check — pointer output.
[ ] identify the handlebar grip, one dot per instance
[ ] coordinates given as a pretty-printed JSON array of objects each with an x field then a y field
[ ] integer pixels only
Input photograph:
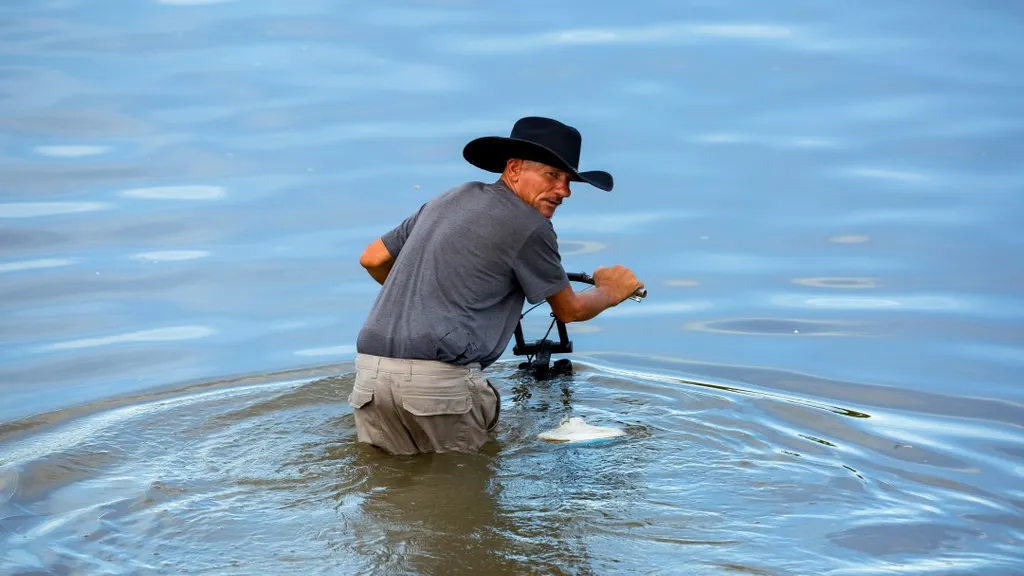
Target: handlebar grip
[{"x": 640, "y": 293}]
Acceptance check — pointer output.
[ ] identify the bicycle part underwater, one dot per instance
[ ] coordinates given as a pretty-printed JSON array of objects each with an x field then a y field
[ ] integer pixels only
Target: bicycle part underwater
[{"x": 575, "y": 429}]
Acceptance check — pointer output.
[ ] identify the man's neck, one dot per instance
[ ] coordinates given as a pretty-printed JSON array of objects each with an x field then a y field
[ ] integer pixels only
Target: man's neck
[{"x": 503, "y": 181}]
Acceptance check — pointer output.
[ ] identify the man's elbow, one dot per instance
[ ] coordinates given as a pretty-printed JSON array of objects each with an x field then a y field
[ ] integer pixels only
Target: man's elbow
[
  {"x": 368, "y": 261},
  {"x": 567, "y": 310},
  {"x": 566, "y": 316},
  {"x": 375, "y": 255}
]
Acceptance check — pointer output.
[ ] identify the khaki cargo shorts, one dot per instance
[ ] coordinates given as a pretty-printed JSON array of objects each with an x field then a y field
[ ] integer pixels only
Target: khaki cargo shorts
[{"x": 417, "y": 406}]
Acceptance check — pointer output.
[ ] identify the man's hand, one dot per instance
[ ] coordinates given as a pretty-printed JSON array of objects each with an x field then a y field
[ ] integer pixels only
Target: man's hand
[
  {"x": 618, "y": 281},
  {"x": 611, "y": 286}
]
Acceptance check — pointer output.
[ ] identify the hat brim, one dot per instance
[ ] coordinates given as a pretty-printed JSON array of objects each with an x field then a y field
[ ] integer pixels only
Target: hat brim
[{"x": 491, "y": 153}]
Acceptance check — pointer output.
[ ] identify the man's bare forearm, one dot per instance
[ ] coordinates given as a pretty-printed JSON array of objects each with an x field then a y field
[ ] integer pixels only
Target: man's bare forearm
[
  {"x": 591, "y": 303},
  {"x": 380, "y": 273}
]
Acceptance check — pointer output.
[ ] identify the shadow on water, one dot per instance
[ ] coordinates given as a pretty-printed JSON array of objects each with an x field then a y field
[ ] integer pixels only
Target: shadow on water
[{"x": 451, "y": 514}]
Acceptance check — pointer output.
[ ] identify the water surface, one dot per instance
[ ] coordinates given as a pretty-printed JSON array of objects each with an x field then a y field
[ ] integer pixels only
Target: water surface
[{"x": 824, "y": 201}]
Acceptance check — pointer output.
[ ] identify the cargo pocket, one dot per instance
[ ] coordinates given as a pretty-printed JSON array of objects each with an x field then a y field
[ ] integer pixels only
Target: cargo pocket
[
  {"x": 365, "y": 413},
  {"x": 360, "y": 398},
  {"x": 439, "y": 414}
]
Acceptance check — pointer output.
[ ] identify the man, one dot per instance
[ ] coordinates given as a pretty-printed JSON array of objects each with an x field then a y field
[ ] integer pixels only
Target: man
[{"x": 454, "y": 276}]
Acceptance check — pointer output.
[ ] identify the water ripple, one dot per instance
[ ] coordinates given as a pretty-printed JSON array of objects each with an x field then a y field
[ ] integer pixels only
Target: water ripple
[
  {"x": 192, "y": 192},
  {"x": 6, "y": 267},
  {"x": 171, "y": 255},
  {"x": 71, "y": 150},
  {"x": 169, "y": 334},
  {"x": 36, "y": 209},
  {"x": 232, "y": 460},
  {"x": 643, "y": 35}
]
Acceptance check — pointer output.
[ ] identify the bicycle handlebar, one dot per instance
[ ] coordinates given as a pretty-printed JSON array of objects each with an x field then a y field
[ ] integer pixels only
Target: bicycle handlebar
[{"x": 585, "y": 278}]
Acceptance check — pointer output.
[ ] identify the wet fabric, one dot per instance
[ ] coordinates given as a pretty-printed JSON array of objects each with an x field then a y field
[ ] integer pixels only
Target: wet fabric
[{"x": 418, "y": 406}]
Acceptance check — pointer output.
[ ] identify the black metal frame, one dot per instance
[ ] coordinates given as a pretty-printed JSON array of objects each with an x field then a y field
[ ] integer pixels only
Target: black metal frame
[{"x": 538, "y": 353}]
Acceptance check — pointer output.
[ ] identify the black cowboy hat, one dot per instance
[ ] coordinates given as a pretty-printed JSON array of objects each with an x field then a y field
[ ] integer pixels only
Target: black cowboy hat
[{"x": 539, "y": 139}]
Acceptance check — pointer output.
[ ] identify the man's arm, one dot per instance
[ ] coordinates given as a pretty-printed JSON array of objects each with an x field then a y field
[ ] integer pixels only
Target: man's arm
[
  {"x": 611, "y": 287},
  {"x": 538, "y": 267},
  {"x": 377, "y": 260},
  {"x": 571, "y": 306}
]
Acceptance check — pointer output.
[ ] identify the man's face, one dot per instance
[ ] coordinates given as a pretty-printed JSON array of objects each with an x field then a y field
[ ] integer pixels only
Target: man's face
[{"x": 540, "y": 185}]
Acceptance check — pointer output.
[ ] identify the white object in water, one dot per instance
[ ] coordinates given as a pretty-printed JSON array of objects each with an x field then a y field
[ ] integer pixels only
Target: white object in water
[{"x": 576, "y": 430}]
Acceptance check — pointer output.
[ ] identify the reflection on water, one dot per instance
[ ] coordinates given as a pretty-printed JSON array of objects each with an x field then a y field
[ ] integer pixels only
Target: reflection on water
[
  {"x": 176, "y": 193},
  {"x": 683, "y": 283},
  {"x": 781, "y": 326},
  {"x": 822, "y": 199},
  {"x": 884, "y": 174},
  {"x": 36, "y": 209},
  {"x": 334, "y": 351},
  {"x": 171, "y": 255},
  {"x": 849, "y": 239},
  {"x": 633, "y": 35},
  {"x": 763, "y": 140},
  {"x": 575, "y": 247},
  {"x": 33, "y": 264},
  {"x": 853, "y": 282},
  {"x": 154, "y": 335},
  {"x": 71, "y": 151}
]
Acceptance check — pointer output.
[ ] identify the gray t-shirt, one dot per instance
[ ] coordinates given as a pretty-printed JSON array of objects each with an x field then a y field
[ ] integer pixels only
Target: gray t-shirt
[{"x": 464, "y": 262}]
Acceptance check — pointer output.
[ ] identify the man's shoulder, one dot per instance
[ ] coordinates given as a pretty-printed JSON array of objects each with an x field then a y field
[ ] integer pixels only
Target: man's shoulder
[
  {"x": 469, "y": 186},
  {"x": 490, "y": 203}
]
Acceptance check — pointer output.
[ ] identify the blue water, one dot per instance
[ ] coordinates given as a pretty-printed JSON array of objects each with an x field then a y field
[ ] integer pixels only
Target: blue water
[{"x": 823, "y": 199}]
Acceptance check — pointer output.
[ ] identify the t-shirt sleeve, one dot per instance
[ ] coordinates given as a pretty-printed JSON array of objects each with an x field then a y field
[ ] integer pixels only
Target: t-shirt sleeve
[
  {"x": 395, "y": 238},
  {"x": 538, "y": 265}
]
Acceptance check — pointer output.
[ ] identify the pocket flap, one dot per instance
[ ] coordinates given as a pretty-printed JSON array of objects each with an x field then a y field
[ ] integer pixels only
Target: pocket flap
[
  {"x": 359, "y": 398},
  {"x": 437, "y": 405}
]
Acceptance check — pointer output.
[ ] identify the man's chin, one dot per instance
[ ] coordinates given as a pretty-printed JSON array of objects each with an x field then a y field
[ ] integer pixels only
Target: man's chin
[{"x": 546, "y": 210}]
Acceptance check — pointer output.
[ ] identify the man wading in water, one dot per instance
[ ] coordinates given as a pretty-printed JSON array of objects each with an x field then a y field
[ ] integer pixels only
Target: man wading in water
[{"x": 454, "y": 276}]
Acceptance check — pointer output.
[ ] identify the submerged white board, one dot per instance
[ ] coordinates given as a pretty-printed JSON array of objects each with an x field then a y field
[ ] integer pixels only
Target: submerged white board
[{"x": 576, "y": 430}]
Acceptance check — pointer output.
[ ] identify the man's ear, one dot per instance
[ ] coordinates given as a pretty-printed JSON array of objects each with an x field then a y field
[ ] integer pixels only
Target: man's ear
[{"x": 513, "y": 168}]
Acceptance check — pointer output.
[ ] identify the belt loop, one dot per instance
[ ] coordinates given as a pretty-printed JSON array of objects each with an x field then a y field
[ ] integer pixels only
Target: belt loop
[
  {"x": 408, "y": 370},
  {"x": 376, "y": 366}
]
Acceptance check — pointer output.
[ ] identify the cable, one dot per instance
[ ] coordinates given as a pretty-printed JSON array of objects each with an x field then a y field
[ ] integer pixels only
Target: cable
[
  {"x": 529, "y": 357},
  {"x": 531, "y": 309}
]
